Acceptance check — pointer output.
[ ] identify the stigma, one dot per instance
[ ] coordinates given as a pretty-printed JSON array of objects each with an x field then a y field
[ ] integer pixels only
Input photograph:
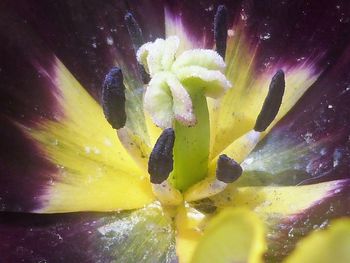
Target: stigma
[{"x": 175, "y": 77}]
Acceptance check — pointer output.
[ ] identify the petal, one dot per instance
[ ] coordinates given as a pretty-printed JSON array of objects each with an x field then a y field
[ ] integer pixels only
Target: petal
[
  {"x": 33, "y": 100},
  {"x": 23, "y": 170},
  {"x": 213, "y": 81},
  {"x": 25, "y": 97},
  {"x": 234, "y": 235},
  {"x": 97, "y": 39},
  {"x": 135, "y": 137},
  {"x": 290, "y": 212},
  {"x": 263, "y": 39},
  {"x": 330, "y": 243},
  {"x": 96, "y": 36},
  {"x": 65, "y": 161},
  {"x": 285, "y": 233},
  {"x": 277, "y": 200},
  {"x": 189, "y": 225},
  {"x": 95, "y": 172},
  {"x": 175, "y": 27},
  {"x": 144, "y": 235}
]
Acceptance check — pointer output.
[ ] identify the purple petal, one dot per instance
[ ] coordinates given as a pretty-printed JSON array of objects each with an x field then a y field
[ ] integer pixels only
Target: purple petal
[
  {"x": 29, "y": 98},
  {"x": 25, "y": 98},
  {"x": 23, "y": 169},
  {"x": 297, "y": 29},
  {"x": 143, "y": 235},
  {"x": 88, "y": 36}
]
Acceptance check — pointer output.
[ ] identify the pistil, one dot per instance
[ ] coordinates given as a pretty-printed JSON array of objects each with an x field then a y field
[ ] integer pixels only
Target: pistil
[{"x": 176, "y": 97}]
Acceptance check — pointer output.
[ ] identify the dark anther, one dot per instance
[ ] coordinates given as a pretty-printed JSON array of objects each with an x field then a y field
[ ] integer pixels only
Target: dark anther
[
  {"x": 113, "y": 98},
  {"x": 160, "y": 162},
  {"x": 135, "y": 33},
  {"x": 272, "y": 102},
  {"x": 220, "y": 30},
  {"x": 227, "y": 170}
]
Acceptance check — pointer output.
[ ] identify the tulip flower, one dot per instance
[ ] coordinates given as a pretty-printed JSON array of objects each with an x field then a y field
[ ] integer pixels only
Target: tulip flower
[{"x": 175, "y": 131}]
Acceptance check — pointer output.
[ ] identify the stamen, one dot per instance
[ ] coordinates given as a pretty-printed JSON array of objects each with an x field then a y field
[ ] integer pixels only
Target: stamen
[
  {"x": 134, "y": 30},
  {"x": 220, "y": 30},
  {"x": 160, "y": 165},
  {"x": 137, "y": 40},
  {"x": 113, "y": 98},
  {"x": 227, "y": 171},
  {"x": 272, "y": 102},
  {"x": 167, "y": 194},
  {"x": 240, "y": 148},
  {"x": 244, "y": 145}
]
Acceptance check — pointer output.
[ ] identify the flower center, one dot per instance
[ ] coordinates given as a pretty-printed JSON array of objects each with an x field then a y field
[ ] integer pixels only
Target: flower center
[{"x": 175, "y": 98}]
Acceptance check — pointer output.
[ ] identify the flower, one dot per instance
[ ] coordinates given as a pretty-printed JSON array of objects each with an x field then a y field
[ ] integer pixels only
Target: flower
[{"x": 60, "y": 155}]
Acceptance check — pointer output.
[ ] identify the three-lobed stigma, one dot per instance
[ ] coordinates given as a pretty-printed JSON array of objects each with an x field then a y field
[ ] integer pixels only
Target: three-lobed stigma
[{"x": 175, "y": 78}]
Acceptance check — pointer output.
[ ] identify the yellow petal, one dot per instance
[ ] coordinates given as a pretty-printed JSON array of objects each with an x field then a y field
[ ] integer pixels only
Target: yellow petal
[
  {"x": 94, "y": 171},
  {"x": 234, "y": 235},
  {"x": 189, "y": 224},
  {"x": 236, "y": 112},
  {"x": 134, "y": 136},
  {"x": 327, "y": 246},
  {"x": 276, "y": 200}
]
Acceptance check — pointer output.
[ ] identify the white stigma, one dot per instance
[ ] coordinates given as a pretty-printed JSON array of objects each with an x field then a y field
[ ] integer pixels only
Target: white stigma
[{"x": 173, "y": 78}]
